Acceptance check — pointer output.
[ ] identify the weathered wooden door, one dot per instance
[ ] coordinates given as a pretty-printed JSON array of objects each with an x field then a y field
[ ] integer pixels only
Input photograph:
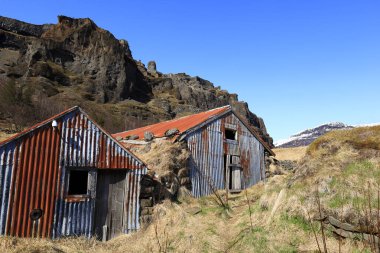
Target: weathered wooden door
[
  {"x": 236, "y": 173},
  {"x": 233, "y": 173},
  {"x": 110, "y": 203}
]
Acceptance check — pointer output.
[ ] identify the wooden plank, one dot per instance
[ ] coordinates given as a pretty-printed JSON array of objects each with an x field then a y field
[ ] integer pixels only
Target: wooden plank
[
  {"x": 236, "y": 173},
  {"x": 228, "y": 170},
  {"x": 101, "y": 206}
]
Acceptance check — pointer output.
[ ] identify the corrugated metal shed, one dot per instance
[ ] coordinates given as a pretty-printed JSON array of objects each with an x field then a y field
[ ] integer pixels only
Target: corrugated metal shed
[
  {"x": 209, "y": 147},
  {"x": 216, "y": 161},
  {"x": 35, "y": 167},
  {"x": 188, "y": 124}
]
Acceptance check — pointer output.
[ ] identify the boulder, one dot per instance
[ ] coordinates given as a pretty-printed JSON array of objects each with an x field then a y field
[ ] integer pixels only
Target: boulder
[
  {"x": 133, "y": 137},
  {"x": 148, "y": 136},
  {"x": 152, "y": 67},
  {"x": 171, "y": 132}
]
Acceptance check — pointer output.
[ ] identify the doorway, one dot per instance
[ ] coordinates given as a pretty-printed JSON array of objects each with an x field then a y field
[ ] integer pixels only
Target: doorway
[
  {"x": 110, "y": 203},
  {"x": 232, "y": 173}
]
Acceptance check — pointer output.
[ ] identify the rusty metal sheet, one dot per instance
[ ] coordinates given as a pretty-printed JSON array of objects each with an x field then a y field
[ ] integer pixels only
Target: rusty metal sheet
[
  {"x": 182, "y": 124},
  {"x": 208, "y": 147},
  {"x": 34, "y": 175},
  {"x": 206, "y": 164}
]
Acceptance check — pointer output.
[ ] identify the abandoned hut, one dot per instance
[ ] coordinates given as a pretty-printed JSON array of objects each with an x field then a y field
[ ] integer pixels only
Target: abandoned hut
[
  {"x": 225, "y": 151},
  {"x": 67, "y": 176}
]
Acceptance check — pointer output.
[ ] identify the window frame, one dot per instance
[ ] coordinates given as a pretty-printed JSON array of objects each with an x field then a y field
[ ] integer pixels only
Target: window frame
[
  {"x": 75, "y": 196},
  {"x": 231, "y": 130}
]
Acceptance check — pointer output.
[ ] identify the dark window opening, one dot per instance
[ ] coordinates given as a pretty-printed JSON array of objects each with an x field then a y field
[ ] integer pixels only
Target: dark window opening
[
  {"x": 230, "y": 134},
  {"x": 78, "y": 182}
]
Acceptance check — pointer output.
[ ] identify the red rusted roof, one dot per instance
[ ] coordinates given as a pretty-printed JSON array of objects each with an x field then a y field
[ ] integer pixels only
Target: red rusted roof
[
  {"x": 187, "y": 123},
  {"x": 182, "y": 124}
]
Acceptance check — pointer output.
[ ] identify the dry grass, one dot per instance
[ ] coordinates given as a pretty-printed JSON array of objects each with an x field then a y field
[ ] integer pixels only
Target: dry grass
[
  {"x": 176, "y": 228},
  {"x": 279, "y": 208},
  {"x": 163, "y": 156},
  {"x": 294, "y": 154},
  {"x": 4, "y": 136},
  {"x": 357, "y": 138}
]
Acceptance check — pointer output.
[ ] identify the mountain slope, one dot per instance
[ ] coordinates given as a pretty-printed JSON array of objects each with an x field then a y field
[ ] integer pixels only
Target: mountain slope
[
  {"x": 306, "y": 137},
  {"x": 46, "y": 68}
]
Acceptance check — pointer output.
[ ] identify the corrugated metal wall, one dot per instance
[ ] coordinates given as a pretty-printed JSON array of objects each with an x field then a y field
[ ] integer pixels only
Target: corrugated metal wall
[
  {"x": 132, "y": 208},
  {"x": 206, "y": 164},
  {"x": 33, "y": 174},
  {"x": 207, "y": 146}
]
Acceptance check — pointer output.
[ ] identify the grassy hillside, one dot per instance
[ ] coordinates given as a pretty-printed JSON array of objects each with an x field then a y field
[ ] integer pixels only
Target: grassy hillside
[
  {"x": 293, "y": 154},
  {"x": 342, "y": 169}
]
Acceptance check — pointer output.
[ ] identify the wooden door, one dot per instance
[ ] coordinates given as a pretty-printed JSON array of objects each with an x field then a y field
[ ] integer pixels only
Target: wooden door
[
  {"x": 110, "y": 203},
  {"x": 233, "y": 173}
]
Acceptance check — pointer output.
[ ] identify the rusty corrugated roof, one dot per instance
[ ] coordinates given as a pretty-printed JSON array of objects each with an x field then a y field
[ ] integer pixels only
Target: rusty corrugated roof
[
  {"x": 182, "y": 124},
  {"x": 186, "y": 124}
]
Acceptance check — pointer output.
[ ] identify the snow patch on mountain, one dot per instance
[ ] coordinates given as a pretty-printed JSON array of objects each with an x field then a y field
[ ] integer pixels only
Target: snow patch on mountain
[{"x": 307, "y": 136}]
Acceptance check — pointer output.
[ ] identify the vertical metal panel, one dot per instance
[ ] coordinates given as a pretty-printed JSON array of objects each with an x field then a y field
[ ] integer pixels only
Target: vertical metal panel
[
  {"x": 251, "y": 155},
  {"x": 77, "y": 218},
  {"x": 132, "y": 203},
  {"x": 33, "y": 174},
  {"x": 207, "y": 147},
  {"x": 206, "y": 165}
]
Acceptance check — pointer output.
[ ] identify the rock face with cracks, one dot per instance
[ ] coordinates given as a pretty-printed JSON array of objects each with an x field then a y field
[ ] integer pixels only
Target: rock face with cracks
[{"x": 75, "y": 62}]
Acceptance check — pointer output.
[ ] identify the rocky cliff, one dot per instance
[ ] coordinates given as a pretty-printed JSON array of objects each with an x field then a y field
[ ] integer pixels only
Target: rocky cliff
[{"x": 45, "y": 68}]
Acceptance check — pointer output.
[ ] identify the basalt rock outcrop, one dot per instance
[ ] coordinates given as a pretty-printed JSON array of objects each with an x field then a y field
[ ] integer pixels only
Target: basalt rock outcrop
[{"x": 76, "y": 62}]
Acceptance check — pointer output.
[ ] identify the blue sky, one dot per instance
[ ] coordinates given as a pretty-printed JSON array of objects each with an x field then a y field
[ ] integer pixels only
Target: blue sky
[{"x": 297, "y": 63}]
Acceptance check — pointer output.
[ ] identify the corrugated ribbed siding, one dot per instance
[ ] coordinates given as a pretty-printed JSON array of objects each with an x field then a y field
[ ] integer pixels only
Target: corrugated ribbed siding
[
  {"x": 207, "y": 148},
  {"x": 132, "y": 206},
  {"x": 33, "y": 169},
  {"x": 77, "y": 218}
]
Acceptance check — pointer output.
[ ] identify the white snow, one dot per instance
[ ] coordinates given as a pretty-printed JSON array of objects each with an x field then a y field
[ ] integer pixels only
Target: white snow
[{"x": 368, "y": 125}]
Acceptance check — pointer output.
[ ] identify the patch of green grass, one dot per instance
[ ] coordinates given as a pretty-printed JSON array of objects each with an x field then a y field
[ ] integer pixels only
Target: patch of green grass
[
  {"x": 287, "y": 249},
  {"x": 297, "y": 187},
  {"x": 255, "y": 239},
  {"x": 338, "y": 201},
  {"x": 361, "y": 251},
  {"x": 212, "y": 231},
  {"x": 297, "y": 221},
  {"x": 363, "y": 169},
  {"x": 216, "y": 210},
  {"x": 206, "y": 246},
  {"x": 181, "y": 234}
]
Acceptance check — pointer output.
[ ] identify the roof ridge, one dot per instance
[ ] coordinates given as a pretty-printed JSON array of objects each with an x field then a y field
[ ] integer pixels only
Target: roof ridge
[{"x": 175, "y": 119}]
